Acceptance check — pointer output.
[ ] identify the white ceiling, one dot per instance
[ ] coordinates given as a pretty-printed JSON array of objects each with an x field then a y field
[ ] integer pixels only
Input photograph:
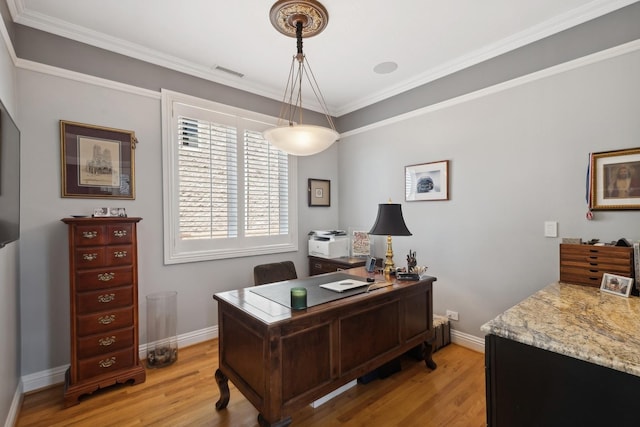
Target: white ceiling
[{"x": 427, "y": 39}]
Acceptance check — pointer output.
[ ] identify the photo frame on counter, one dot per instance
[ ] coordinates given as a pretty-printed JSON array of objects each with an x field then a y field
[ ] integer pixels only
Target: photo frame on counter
[
  {"x": 615, "y": 180},
  {"x": 96, "y": 161},
  {"x": 319, "y": 191},
  {"x": 427, "y": 181},
  {"x": 617, "y": 285}
]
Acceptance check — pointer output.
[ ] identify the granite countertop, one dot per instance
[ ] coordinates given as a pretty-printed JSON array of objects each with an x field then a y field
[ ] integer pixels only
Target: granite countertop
[{"x": 577, "y": 321}]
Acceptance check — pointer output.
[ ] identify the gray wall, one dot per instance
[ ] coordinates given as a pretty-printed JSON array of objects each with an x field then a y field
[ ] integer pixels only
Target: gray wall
[
  {"x": 46, "y": 99},
  {"x": 518, "y": 157},
  {"x": 9, "y": 277}
]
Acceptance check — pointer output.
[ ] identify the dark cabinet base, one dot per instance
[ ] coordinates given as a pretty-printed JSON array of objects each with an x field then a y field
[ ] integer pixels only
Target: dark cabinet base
[{"x": 528, "y": 386}]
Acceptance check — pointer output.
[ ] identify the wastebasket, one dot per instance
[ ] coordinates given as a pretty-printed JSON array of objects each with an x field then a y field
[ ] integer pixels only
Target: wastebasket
[{"x": 162, "y": 318}]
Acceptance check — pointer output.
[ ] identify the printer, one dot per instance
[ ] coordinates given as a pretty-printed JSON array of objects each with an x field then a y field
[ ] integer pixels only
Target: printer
[{"x": 328, "y": 243}]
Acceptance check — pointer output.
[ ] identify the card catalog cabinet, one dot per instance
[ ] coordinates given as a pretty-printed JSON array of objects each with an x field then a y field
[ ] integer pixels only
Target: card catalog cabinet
[
  {"x": 103, "y": 276},
  {"x": 585, "y": 264}
]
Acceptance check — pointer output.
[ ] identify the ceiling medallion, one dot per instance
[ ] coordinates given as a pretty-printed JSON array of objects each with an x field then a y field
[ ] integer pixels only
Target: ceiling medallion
[{"x": 285, "y": 14}]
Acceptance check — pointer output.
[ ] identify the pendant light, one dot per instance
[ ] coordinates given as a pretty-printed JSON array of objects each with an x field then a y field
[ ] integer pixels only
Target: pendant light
[{"x": 300, "y": 18}]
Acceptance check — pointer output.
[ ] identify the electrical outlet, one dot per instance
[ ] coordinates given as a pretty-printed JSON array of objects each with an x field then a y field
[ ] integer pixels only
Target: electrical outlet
[{"x": 452, "y": 315}]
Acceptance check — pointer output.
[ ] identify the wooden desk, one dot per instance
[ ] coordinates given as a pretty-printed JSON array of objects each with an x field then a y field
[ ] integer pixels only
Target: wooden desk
[{"x": 282, "y": 360}]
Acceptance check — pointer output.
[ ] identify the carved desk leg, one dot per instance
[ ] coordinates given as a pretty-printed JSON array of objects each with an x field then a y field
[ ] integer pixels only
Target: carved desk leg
[
  {"x": 427, "y": 354},
  {"x": 282, "y": 423},
  {"x": 223, "y": 385}
]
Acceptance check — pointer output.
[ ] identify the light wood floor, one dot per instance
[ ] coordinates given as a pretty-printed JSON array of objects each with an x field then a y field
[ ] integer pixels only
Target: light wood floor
[{"x": 184, "y": 394}]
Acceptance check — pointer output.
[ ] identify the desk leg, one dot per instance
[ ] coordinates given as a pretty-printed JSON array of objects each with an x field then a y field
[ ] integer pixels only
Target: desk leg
[
  {"x": 282, "y": 423},
  {"x": 427, "y": 354},
  {"x": 223, "y": 385}
]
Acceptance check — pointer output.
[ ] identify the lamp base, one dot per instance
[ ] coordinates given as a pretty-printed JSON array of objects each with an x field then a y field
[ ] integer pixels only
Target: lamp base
[{"x": 389, "y": 265}]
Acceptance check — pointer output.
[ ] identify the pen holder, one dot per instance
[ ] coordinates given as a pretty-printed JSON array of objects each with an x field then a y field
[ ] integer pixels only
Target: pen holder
[{"x": 298, "y": 298}]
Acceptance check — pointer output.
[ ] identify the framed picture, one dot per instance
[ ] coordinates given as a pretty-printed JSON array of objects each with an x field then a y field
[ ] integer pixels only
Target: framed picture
[
  {"x": 97, "y": 162},
  {"x": 615, "y": 180},
  {"x": 319, "y": 192},
  {"x": 617, "y": 285},
  {"x": 361, "y": 243},
  {"x": 427, "y": 181},
  {"x": 109, "y": 212}
]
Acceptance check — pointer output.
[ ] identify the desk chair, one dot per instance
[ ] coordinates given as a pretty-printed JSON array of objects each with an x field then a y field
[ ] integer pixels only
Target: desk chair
[{"x": 274, "y": 272}]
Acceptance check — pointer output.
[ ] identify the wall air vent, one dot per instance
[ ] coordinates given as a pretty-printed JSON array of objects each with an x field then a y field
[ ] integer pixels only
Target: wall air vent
[{"x": 226, "y": 70}]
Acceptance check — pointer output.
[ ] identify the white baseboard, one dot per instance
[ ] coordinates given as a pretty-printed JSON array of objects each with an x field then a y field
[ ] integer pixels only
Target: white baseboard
[
  {"x": 16, "y": 403},
  {"x": 469, "y": 341},
  {"x": 54, "y": 376}
]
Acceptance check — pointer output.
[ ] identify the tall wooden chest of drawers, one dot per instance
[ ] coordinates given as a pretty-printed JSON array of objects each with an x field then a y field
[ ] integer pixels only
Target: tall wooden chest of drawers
[
  {"x": 585, "y": 264},
  {"x": 103, "y": 276}
]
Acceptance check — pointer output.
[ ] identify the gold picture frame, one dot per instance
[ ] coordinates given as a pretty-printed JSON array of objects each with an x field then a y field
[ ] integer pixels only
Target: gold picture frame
[
  {"x": 615, "y": 180},
  {"x": 319, "y": 191},
  {"x": 96, "y": 161}
]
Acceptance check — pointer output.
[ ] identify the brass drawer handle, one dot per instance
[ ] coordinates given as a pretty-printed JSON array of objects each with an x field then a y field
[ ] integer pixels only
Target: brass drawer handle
[
  {"x": 120, "y": 233},
  {"x": 106, "y": 298},
  {"x": 89, "y": 257},
  {"x": 120, "y": 254},
  {"x": 89, "y": 234},
  {"x": 107, "y": 363},
  {"x": 105, "y": 277},
  {"x": 105, "y": 320},
  {"x": 107, "y": 341}
]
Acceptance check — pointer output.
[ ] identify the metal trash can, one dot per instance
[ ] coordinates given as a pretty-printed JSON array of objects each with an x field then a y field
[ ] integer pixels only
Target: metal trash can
[{"x": 162, "y": 318}]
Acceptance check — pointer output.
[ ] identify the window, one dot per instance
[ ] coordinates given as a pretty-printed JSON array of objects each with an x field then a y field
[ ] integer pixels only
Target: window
[{"x": 227, "y": 192}]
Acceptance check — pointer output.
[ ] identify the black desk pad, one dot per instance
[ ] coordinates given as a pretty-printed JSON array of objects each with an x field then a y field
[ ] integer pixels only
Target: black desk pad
[{"x": 280, "y": 292}]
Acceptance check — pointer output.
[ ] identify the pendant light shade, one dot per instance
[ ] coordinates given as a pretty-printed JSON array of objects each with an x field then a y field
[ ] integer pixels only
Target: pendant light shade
[
  {"x": 298, "y": 18},
  {"x": 301, "y": 140}
]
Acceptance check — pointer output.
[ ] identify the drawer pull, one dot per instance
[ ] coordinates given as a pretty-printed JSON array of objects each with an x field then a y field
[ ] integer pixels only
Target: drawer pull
[
  {"x": 89, "y": 257},
  {"x": 105, "y": 277},
  {"x": 106, "y": 298},
  {"x": 107, "y": 363},
  {"x": 89, "y": 234},
  {"x": 107, "y": 341},
  {"x": 120, "y": 254},
  {"x": 317, "y": 265},
  {"x": 105, "y": 320},
  {"x": 120, "y": 233}
]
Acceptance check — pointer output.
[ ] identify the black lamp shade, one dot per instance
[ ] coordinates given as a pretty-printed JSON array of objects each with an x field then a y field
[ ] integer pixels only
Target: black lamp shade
[{"x": 390, "y": 221}]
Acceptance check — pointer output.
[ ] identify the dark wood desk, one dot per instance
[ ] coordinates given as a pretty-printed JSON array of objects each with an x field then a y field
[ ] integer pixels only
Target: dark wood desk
[{"x": 282, "y": 360}]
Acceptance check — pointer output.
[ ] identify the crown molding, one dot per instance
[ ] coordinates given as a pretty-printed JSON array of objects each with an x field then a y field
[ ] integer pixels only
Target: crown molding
[
  {"x": 22, "y": 15},
  {"x": 559, "y": 23}
]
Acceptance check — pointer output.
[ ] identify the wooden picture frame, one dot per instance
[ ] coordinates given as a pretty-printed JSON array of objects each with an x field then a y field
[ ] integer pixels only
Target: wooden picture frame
[
  {"x": 97, "y": 162},
  {"x": 615, "y": 180},
  {"x": 319, "y": 191},
  {"x": 427, "y": 181},
  {"x": 617, "y": 285}
]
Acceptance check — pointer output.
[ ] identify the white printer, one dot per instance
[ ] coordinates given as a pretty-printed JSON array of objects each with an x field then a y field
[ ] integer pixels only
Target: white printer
[{"x": 328, "y": 243}]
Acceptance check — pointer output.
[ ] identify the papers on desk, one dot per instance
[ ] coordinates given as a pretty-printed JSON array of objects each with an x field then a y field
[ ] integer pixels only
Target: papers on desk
[{"x": 344, "y": 285}]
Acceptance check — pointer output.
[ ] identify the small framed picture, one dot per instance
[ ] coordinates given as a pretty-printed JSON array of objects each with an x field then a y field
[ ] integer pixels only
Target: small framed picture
[
  {"x": 319, "y": 192},
  {"x": 101, "y": 212},
  {"x": 361, "y": 242},
  {"x": 618, "y": 285},
  {"x": 427, "y": 181}
]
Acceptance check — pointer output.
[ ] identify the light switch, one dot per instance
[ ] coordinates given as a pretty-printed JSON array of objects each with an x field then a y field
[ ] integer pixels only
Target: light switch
[{"x": 551, "y": 229}]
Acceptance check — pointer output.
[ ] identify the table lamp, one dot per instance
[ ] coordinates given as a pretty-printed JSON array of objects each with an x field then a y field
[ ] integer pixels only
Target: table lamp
[{"x": 389, "y": 222}]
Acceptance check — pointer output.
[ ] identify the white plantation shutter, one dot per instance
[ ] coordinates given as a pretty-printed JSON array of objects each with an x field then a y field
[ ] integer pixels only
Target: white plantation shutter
[
  {"x": 228, "y": 192},
  {"x": 266, "y": 171},
  {"x": 208, "y": 180}
]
